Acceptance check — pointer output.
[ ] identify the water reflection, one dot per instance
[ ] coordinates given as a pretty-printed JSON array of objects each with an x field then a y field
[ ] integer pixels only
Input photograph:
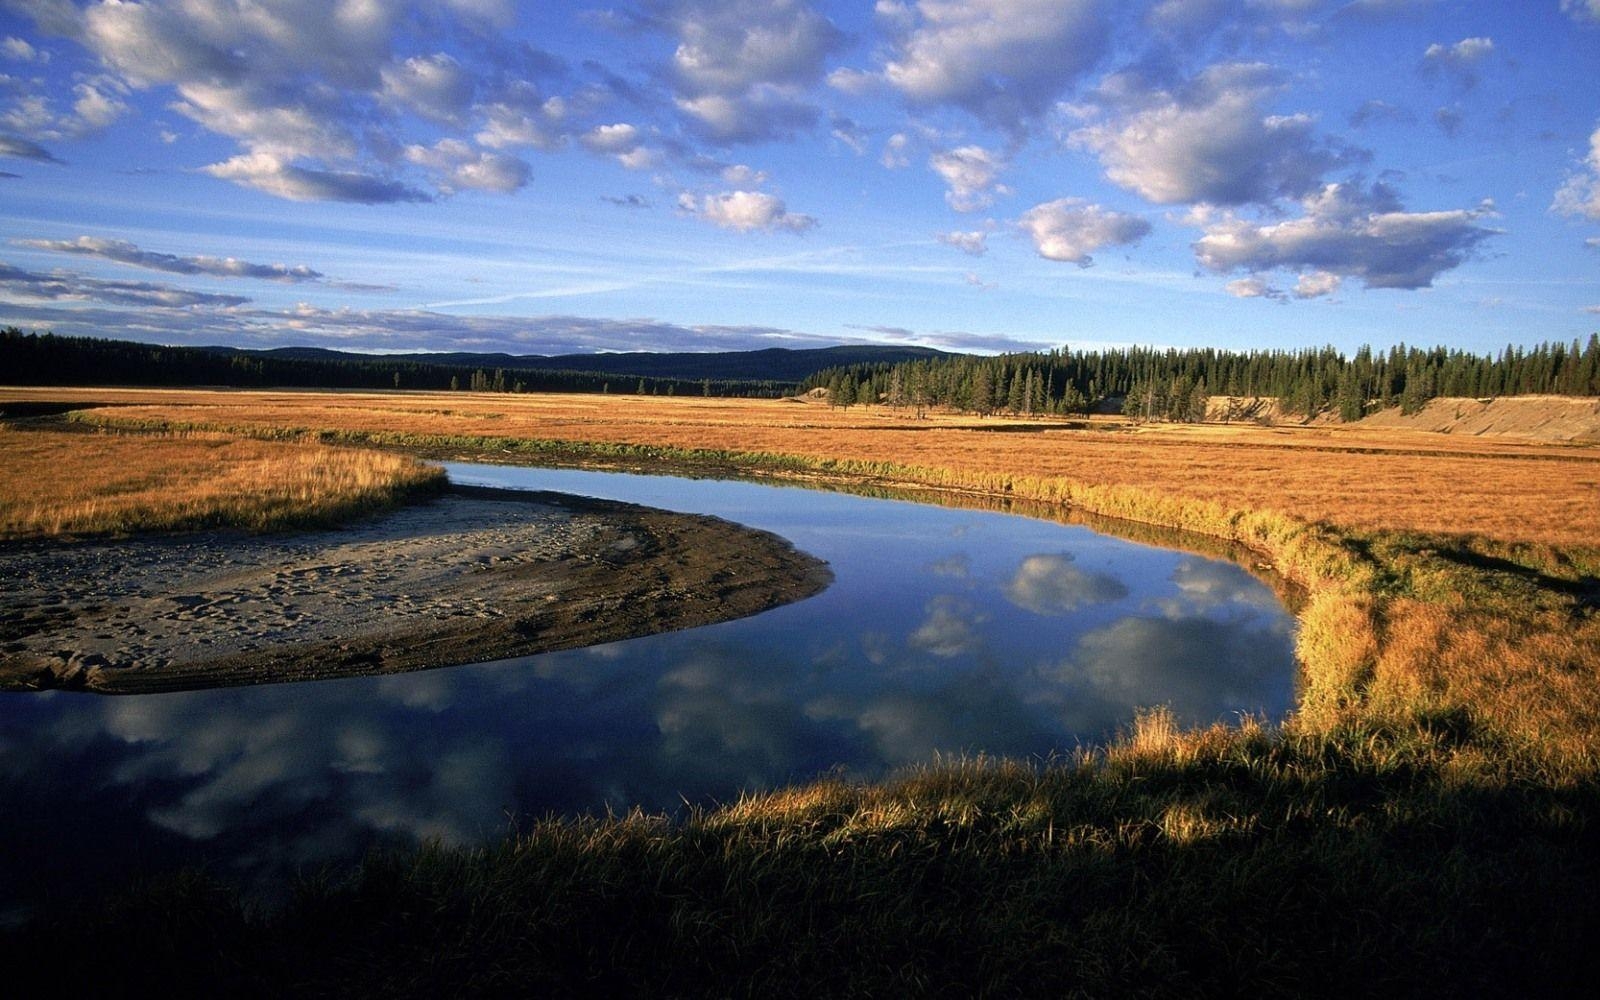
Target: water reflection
[{"x": 946, "y": 631}]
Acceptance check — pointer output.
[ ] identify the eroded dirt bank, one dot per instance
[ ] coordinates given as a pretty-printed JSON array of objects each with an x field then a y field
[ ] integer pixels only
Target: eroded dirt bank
[{"x": 475, "y": 575}]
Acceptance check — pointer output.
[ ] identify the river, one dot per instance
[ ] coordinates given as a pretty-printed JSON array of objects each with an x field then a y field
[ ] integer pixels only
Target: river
[{"x": 946, "y": 631}]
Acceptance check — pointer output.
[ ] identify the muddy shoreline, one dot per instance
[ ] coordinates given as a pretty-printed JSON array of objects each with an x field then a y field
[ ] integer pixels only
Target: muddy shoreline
[{"x": 476, "y": 574}]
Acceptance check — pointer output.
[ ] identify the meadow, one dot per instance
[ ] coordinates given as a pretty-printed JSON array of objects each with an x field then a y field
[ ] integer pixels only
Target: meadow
[
  {"x": 1424, "y": 822},
  {"x": 55, "y": 484}
]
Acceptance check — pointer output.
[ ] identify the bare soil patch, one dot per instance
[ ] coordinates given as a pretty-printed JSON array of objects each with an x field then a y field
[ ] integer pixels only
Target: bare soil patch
[
  {"x": 471, "y": 576},
  {"x": 1559, "y": 419}
]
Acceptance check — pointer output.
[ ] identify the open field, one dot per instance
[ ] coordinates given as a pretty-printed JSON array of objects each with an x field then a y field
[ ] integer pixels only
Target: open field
[
  {"x": 1352, "y": 476},
  {"x": 54, "y": 483},
  {"x": 1426, "y": 822}
]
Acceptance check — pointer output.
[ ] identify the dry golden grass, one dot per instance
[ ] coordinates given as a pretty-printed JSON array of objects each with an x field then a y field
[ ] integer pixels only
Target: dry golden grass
[
  {"x": 77, "y": 483},
  {"x": 1354, "y": 478}
]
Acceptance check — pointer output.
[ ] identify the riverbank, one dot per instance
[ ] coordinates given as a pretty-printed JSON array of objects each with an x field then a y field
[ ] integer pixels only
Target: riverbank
[{"x": 471, "y": 575}]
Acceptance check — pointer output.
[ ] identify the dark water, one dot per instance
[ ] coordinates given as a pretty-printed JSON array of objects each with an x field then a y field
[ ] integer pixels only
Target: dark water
[{"x": 946, "y": 631}]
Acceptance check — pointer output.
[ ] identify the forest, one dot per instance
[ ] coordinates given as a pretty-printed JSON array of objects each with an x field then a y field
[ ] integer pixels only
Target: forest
[
  {"x": 1152, "y": 384},
  {"x": 46, "y": 359},
  {"x": 1141, "y": 382}
]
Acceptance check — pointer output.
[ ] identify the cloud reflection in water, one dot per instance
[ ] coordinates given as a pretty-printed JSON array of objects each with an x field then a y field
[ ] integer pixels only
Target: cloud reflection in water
[{"x": 947, "y": 631}]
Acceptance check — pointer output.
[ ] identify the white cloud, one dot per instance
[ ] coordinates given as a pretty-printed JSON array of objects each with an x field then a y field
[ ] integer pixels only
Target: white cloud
[
  {"x": 1071, "y": 229},
  {"x": 894, "y": 151},
  {"x": 274, "y": 175},
  {"x": 745, "y": 211},
  {"x": 974, "y": 242},
  {"x": 123, "y": 252},
  {"x": 740, "y": 174},
  {"x": 1468, "y": 50},
  {"x": 1252, "y": 288},
  {"x": 19, "y": 50},
  {"x": 972, "y": 175},
  {"x": 1348, "y": 233},
  {"x": 1460, "y": 60},
  {"x": 456, "y": 166},
  {"x": 741, "y": 67},
  {"x": 1214, "y": 143},
  {"x": 1582, "y": 10},
  {"x": 24, "y": 149},
  {"x": 436, "y": 86},
  {"x": 617, "y": 138},
  {"x": 1579, "y": 196},
  {"x": 507, "y": 126},
  {"x": 66, "y": 286},
  {"x": 762, "y": 113},
  {"x": 1002, "y": 60},
  {"x": 1315, "y": 284}
]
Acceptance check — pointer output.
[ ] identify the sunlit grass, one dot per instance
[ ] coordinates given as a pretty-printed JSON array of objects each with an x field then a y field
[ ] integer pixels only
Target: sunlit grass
[{"x": 63, "y": 483}]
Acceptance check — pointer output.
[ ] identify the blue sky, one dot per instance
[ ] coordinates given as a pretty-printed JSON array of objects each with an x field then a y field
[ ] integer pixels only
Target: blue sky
[{"x": 722, "y": 174}]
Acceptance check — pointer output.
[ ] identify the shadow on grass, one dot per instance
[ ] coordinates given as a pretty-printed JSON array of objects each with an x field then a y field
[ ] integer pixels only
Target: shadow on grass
[{"x": 1215, "y": 864}]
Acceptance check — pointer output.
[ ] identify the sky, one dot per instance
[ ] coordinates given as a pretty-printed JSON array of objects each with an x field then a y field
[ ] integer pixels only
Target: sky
[{"x": 972, "y": 175}]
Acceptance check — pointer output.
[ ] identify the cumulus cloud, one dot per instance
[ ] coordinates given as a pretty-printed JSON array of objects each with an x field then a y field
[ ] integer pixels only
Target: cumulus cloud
[
  {"x": 1316, "y": 284},
  {"x": 1582, "y": 10},
  {"x": 1212, "y": 143},
  {"x": 276, "y": 176},
  {"x": 435, "y": 86},
  {"x": 1348, "y": 232},
  {"x": 745, "y": 211},
  {"x": 617, "y": 138},
  {"x": 1252, "y": 288},
  {"x": 763, "y": 113},
  {"x": 124, "y": 252},
  {"x": 741, "y": 67},
  {"x": 974, "y": 242},
  {"x": 65, "y": 286},
  {"x": 1579, "y": 196},
  {"x": 325, "y": 100},
  {"x": 19, "y": 50},
  {"x": 1071, "y": 229},
  {"x": 1004, "y": 61},
  {"x": 1378, "y": 111},
  {"x": 972, "y": 175},
  {"x": 1459, "y": 61},
  {"x": 538, "y": 124},
  {"x": 894, "y": 155},
  {"x": 35, "y": 117},
  {"x": 1053, "y": 585},
  {"x": 456, "y": 166}
]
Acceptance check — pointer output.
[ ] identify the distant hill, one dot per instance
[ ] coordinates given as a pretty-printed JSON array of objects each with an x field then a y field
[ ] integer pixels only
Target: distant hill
[
  {"x": 774, "y": 364},
  {"x": 45, "y": 359}
]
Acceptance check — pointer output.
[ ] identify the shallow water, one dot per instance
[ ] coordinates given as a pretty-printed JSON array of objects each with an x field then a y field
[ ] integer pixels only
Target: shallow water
[{"x": 946, "y": 631}]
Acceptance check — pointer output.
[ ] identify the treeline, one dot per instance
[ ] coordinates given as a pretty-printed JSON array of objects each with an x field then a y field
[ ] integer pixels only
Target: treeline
[
  {"x": 46, "y": 359},
  {"x": 1150, "y": 384}
]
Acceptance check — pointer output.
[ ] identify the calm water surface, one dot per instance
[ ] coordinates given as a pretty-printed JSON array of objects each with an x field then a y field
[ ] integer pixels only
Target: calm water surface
[{"x": 945, "y": 631}]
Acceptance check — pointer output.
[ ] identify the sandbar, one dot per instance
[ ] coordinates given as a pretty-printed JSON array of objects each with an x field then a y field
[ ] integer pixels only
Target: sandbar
[{"x": 473, "y": 575}]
